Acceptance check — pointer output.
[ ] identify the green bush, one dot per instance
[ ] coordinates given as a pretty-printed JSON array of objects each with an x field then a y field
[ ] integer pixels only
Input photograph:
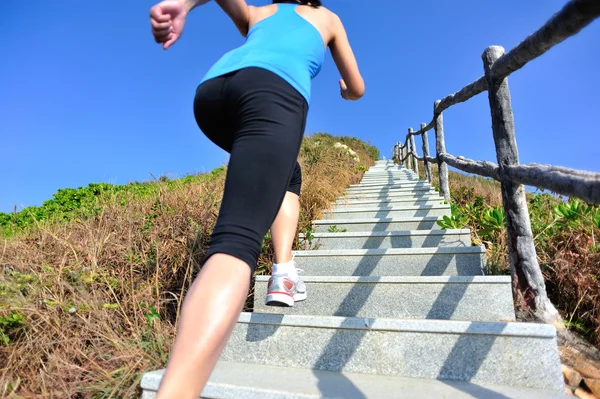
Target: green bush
[{"x": 69, "y": 204}]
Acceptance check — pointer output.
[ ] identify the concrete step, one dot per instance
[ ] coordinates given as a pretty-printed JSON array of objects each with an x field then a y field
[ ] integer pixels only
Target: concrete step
[
  {"x": 393, "y": 194},
  {"x": 512, "y": 354},
  {"x": 462, "y": 261},
  {"x": 388, "y": 166},
  {"x": 389, "y": 239},
  {"x": 231, "y": 380},
  {"x": 389, "y": 195},
  {"x": 388, "y": 212},
  {"x": 389, "y": 191},
  {"x": 383, "y": 173},
  {"x": 390, "y": 175},
  {"x": 379, "y": 224},
  {"x": 389, "y": 171},
  {"x": 389, "y": 179},
  {"x": 382, "y": 182},
  {"x": 390, "y": 185},
  {"x": 401, "y": 201},
  {"x": 466, "y": 298},
  {"x": 392, "y": 168},
  {"x": 413, "y": 184}
]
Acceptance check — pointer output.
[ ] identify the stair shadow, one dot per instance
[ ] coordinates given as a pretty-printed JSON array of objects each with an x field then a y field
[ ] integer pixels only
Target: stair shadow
[
  {"x": 474, "y": 390},
  {"x": 445, "y": 305},
  {"x": 469, "y": 365},
  {"x": 382, "y": 226},
  {"x": 350, "y": 307},
  {"x": 389, "y": 184},
  {"x": 259, "y": 332},
  {"x": 447, "y": 301},
  {"x": 419, "y": 191},
  {"x": 433, "y": 241},
  {"x": 426, "y": 225},
  {"x": 437, "y": 266},
  {"x": 387, "y": 203},
  {"x": 381, "y": 212},
  {"x": 342, "y": 346}
]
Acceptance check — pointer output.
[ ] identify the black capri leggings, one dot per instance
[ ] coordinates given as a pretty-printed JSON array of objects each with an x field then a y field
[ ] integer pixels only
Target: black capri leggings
[{"x": 259, "y": 119}]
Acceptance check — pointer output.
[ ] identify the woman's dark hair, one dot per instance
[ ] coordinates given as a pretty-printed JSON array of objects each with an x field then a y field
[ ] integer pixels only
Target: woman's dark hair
[{"x": 313, "y": 3}]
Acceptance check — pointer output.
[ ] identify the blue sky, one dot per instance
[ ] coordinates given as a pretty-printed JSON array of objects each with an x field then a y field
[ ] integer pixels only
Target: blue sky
[{"x": 87, "y": 96}]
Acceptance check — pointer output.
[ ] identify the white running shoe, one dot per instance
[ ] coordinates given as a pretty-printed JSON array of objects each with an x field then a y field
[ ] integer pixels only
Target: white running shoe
[{"x": 285, "y": 289}]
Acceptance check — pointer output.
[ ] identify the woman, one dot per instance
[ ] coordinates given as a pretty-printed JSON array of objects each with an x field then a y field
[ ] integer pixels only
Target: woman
[{"x": 253, "y": 104}]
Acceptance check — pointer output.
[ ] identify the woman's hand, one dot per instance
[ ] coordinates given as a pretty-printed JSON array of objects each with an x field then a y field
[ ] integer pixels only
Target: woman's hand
[
  {"x": 344, "y": 90},
  {"x": 168, "y": 19}
]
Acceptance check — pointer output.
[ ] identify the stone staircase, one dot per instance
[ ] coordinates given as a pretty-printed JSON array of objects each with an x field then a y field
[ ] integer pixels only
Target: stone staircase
[{"x": 396, "y": 308}]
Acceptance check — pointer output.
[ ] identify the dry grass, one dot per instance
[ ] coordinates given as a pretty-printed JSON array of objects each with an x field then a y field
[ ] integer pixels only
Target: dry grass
[
  {"x": 463, "y": 187},
  {"x": 568, "y": 253},
  {"x": 86, "y": 289},
  {"x": 100, "y": 297}
]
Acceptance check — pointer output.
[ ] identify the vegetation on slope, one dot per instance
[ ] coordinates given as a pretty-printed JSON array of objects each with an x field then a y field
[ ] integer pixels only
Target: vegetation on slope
[
  {"x": 567, "y": 240},
  {"x": 91, "y": 282}
]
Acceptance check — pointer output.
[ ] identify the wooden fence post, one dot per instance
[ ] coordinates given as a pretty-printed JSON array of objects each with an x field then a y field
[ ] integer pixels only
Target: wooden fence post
[
  {"x": 440, "y": 148},
  {"x": 528, "y": 280},
  {"x": 405, "y": 155},
  {"x": 400, "y": 154},
  {"x": 426, "y": 153},
  {"x": 408, "y": 152},
  {"x": 413, "y": 149}
]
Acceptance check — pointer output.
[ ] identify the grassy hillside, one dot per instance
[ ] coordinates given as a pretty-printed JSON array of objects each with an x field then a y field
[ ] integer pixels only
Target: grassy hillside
[
  {"x": 567, "y": 240},
  {"x": 91, "y": 282}
]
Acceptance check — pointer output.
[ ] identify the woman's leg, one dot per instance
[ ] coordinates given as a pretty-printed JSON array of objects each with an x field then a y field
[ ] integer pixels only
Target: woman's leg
[
  {"x": 215, "y": 299},
  {"x": 283, "y": 229},
  {"x": 285, "y": 288},
  {"x": 209, "y": 313},
  {"x": 268, "y": 119}
]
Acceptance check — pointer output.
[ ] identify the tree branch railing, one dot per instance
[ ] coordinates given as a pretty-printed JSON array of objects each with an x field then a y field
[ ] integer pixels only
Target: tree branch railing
[{"x": 498, "y": 65}]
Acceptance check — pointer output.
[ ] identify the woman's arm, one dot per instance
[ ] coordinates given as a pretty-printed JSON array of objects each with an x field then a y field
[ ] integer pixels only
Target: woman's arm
[
  {"x": 352, "y": 84},
  {"x": 168, "y": 17},
  {"x": 239, "y": 12}
]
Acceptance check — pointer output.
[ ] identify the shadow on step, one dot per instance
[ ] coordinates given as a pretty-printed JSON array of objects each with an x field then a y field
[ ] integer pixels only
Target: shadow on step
[
  {"x": 340, "y": 340},
  {"x": 462, "y": 363},
  {"x": 341, "y": 349}
]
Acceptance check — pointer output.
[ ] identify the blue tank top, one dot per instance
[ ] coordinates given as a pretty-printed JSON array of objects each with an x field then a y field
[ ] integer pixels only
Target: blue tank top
[{"x": 284, "y": 43}]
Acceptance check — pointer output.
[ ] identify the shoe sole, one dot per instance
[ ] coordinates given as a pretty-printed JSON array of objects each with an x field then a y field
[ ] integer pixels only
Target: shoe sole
[
  {"x": 282, "y": 299},
  {"x": 279, "y": 299}
]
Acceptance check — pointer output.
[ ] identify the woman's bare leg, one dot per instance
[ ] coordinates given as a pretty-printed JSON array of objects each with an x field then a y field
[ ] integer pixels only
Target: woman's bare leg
[
  {"x": 209, "y": 314},
  {"x": 283, "y": 232}
]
